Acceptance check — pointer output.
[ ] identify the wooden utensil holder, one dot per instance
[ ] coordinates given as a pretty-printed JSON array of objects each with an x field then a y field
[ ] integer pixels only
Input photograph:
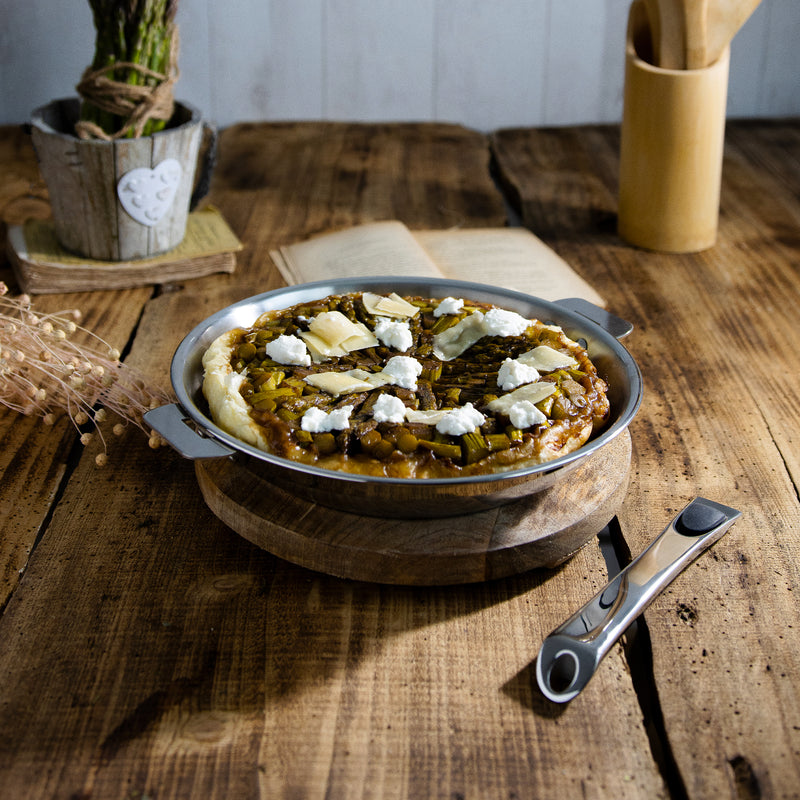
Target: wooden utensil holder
[{"x": 673, "y": 130}]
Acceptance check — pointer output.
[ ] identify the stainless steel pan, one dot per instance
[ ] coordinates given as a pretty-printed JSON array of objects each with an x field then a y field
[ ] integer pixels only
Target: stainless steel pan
[{"x": 190, "y": 430}]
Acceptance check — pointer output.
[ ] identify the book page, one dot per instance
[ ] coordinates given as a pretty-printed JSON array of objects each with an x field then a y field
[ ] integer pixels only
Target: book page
[
  {"x": 512, "y": 258},
  {"x": 370, "y": 250}
]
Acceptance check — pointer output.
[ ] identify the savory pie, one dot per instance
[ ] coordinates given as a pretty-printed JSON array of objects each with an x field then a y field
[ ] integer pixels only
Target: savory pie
[{"x": 408, "y": 387}]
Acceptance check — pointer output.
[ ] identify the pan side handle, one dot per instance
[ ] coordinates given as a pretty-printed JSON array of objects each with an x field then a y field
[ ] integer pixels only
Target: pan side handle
[
  {"x": 171, "y": 422},
  {"x": 616, "y": 326}
]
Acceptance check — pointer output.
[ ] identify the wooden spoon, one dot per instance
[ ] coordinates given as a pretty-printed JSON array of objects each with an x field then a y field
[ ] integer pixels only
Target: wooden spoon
[
  {"x": 653, "y": 25},
  {"x": 695, "y": 16},
  {"x": 724, "y": 18},
  {"x": 667, "y": 27}
]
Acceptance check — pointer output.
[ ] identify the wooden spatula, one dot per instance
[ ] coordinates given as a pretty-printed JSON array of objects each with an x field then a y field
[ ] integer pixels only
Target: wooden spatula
[
  {"x": 695, "y": 16},
  {"x": 723, "y": 20},
  {"x": 668, "y": 31}
]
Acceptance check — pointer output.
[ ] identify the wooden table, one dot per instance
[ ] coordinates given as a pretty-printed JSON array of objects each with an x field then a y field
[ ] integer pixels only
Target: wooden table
[{"x": 148, "y": 651}]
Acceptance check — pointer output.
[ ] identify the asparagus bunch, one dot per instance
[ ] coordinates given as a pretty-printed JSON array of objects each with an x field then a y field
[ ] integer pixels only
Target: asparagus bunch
[{"x": 133, "y": 48}]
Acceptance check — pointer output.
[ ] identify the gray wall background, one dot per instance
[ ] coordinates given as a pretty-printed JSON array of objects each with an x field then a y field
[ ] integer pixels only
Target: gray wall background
[{"x": 486, "y": 64}]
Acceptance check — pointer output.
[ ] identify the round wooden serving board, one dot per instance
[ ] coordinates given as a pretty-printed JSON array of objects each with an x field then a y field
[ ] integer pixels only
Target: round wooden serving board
[{"x": 541, "y": 530}]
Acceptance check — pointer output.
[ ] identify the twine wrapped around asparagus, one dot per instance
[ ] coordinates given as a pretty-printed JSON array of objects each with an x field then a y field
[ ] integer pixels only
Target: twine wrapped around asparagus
[{"x": 127, "y": 91}]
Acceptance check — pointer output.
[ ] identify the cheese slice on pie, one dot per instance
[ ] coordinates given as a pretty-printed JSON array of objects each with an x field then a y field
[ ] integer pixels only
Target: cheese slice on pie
[
  {"x": 391, "y": 306},
  {"x": 337, "y": 383},
  {"x": 547, "y": 359}
]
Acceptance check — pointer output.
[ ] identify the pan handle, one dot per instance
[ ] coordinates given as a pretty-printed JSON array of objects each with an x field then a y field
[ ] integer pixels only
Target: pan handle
[
  {"x": 616, "y": 326},
  {"x": 172, "y": 423},
  {"x": 570, "y": 655}
]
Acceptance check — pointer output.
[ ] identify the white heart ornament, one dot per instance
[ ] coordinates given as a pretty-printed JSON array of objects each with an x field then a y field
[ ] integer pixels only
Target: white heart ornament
[{"x": 146, "y": 194}]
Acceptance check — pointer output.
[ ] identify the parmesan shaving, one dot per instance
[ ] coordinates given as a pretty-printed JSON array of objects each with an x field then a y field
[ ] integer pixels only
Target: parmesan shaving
[
  {"x": 391, "y": 306},
  {"x": 532, "y": 392},
  {"x": 547, "y": 359},
  {"x": 337, "y": 383}
]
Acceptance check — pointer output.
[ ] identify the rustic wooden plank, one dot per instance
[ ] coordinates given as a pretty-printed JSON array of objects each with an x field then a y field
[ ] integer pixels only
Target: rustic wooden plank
[
  {"x": 248, "y": 671},
  {"x": 192, "y": 663},
  {"x": 35, "y": 457},
  {"x": 708, "y": 426},
  {"x": 23, "y": 193},
  {"x": 562, "y": 180},
  {"x": 328, "y": 175},
  {"x": 277, "y": 183},
  {"x": 31, "y": 475}
]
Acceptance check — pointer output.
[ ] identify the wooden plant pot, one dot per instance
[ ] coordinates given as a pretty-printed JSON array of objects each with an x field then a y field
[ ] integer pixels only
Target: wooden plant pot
[
  {"x": 671, "y": 148},
  {"x": 117, "y": 200}
]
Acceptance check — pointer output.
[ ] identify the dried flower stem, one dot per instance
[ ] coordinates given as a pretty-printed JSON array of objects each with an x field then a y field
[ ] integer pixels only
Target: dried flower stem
[{"x": 51, "y": 366}]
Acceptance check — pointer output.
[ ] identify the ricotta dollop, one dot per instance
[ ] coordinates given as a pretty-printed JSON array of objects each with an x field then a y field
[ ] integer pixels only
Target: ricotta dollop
[
  {"x": 315, "y": 420},
  {"x": 450, "y": 305},
  {"x": 460, "y": 420},
  {"x": 388, "y": 408},
  {"x": 403, "y": 371},
  {"x": 524, "y": 414},
  {"x": 288, "y": 350},
  {"x": 513, "y": 373},
  {"x": 394, "y": 334}
]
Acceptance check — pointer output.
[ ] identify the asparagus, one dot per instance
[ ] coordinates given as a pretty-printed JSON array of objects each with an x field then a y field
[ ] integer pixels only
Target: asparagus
[{"x": 136, "y": 32}]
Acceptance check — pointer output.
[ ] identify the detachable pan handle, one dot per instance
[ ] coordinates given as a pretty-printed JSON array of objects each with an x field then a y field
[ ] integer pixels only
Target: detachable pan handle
[{"x": 570, "y": 654}]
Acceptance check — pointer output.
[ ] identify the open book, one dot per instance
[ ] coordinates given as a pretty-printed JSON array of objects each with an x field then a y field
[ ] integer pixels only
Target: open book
[{"x": 511, "y": 258}]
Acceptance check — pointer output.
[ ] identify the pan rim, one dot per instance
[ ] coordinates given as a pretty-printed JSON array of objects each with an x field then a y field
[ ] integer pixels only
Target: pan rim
[{"x": 189, "y": 352}]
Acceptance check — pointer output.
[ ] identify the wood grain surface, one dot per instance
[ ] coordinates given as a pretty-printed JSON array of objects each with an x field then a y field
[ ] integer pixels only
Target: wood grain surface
[
  {"x": 146, "y": 649},
  {"x": 715, "y": 335},
  {"x": 542, "y": 530}
]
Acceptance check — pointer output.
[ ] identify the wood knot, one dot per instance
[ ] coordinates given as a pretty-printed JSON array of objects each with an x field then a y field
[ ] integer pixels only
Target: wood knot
[
  {"x": 686, "y": 613},
  {"x": 216, "y": 587},
  {"x": 207, "y": 728},
  {"x": 231, "y": 583},
  {"x": 179, "y": 732},
  {"x": 744, "y": 777}
]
